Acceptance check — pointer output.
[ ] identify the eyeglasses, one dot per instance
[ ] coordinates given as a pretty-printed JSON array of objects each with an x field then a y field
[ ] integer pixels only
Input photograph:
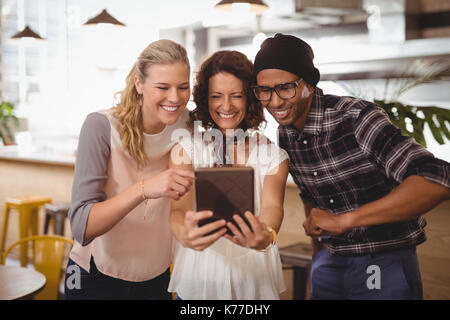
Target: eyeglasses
[{"x": 285, "y": 91}]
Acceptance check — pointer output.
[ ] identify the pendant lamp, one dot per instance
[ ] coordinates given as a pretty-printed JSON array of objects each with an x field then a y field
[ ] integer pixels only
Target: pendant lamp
[
  {"x": 104, "y": 17},
  {"x": 27, "y": 33},
  {"x": 256, "y": 6}
]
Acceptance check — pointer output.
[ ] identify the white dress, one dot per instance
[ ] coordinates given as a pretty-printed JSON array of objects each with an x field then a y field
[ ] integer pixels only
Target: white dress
[{"x": 225, "y": 270}]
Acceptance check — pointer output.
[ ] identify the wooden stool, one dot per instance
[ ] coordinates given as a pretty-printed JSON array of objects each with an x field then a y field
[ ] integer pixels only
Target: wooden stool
[
  {"x": 299, "y": 256},
  {"x": 57, "y": 213},
  {"x": 28, "y": 207}
]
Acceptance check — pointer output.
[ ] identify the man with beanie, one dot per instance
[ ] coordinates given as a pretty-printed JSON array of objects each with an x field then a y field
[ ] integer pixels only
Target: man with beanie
[{"x": 363, "y": 184}]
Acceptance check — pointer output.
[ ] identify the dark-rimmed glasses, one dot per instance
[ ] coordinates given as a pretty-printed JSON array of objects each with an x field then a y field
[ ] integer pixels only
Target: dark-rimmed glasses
[{"x": 285, "y": 91}]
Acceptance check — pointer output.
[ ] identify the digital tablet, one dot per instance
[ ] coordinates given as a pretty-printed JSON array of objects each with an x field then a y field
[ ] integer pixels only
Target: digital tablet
[{"x": 225, "y": 191}]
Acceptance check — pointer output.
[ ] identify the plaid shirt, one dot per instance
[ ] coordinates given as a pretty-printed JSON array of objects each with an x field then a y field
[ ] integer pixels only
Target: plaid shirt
[{"x": 350, "y": 154}]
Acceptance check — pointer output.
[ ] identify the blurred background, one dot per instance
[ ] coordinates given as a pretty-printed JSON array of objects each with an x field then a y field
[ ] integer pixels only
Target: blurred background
[{"x": 54, "y": 83}]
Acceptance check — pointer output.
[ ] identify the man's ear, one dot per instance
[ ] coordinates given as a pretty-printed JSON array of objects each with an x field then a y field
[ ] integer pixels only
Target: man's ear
[
  {"x": 138, "y": 84},
  {"x": 307, "y": 90},
  {"x": 310, "y": 88}
]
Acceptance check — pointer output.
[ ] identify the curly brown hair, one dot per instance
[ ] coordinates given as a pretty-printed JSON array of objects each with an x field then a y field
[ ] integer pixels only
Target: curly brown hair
[{"x": 237, "y": 64}]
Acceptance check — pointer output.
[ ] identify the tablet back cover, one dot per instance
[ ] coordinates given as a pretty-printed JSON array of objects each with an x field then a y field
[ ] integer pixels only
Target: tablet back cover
[{"x": 225, "y": 191}]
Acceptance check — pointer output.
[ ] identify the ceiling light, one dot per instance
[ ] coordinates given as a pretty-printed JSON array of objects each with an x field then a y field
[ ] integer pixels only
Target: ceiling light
[
  {"x": 104, "y": 17},
  {"x": 255, "y": 6},
  {"x": 27, "y": 33}
]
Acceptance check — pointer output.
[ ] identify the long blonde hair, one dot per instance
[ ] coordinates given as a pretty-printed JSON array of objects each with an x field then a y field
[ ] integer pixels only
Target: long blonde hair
[{"x": 129, "y": 109}]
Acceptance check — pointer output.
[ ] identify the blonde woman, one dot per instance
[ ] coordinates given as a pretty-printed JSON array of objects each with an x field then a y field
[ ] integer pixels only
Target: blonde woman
[{"x": 122, "y": 186}]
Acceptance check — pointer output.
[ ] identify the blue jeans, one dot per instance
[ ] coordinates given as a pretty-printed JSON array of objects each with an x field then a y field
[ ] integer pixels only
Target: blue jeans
[
  {"x": 97, "y": 286},
  {"x": 381, "y": 276}
]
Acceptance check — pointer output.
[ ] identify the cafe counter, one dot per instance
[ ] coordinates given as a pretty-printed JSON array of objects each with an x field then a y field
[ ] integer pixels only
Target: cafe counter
[
  {"x": 13, "y": 153},
  {"x": 34, "y": 173}
]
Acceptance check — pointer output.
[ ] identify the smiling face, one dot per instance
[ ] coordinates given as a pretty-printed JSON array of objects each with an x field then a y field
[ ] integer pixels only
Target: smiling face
[
  {"x": 226, "y": 100},
  {"x": 165, "y": 93},
  {"x": 293, "y": 111}
]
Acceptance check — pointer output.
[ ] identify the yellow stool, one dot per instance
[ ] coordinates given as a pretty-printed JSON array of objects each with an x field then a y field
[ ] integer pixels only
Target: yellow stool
[{"x": 27, "y": 206}]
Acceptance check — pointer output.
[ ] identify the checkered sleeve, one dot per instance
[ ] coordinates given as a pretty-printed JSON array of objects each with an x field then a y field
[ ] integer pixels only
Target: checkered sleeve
[{"x": 398, "y": 155}]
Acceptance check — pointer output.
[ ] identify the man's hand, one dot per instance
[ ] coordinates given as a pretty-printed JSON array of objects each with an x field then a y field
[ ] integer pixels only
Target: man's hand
[{"x": 321, "y": 222}]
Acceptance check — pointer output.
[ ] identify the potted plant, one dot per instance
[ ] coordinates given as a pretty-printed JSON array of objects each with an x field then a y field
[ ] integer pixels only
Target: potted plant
[
  {"x": 8, "y": 120},
  {"x": 412, "y": 119}
]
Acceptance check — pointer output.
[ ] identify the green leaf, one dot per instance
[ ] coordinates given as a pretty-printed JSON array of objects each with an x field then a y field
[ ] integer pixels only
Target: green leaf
[
  {"x": 438, "y": 119},
  {"x": 420, "y": 138},
  {"x": 443, "y": 114},
  {"x": 434, "y": 129},
  {"x": 443, "y": 128}
]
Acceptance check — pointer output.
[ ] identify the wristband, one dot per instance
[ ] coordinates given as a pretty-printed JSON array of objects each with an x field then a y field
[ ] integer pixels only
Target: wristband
[
  {"x": 274, "y": 238},
  {"x": 274, "y": 235},
  {"x": 144, "y": 198},
  {"x": 142, "y": 191}
]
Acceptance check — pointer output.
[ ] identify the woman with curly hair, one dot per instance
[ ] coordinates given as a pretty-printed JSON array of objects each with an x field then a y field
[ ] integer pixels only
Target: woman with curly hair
[
  {"x": 122, "y": 186},
  {"x": 209, "y": 264}
]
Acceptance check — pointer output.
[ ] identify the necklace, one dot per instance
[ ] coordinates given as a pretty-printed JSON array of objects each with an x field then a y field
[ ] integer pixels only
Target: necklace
[{"x": 222, "y": 157}]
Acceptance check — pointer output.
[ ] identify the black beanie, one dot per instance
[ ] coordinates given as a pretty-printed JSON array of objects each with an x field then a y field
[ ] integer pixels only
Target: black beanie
[{"x": 287, "y": 53}]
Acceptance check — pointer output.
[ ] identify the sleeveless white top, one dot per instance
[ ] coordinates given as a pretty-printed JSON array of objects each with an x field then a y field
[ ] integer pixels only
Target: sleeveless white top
[{"x": 225, "y": 270}]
